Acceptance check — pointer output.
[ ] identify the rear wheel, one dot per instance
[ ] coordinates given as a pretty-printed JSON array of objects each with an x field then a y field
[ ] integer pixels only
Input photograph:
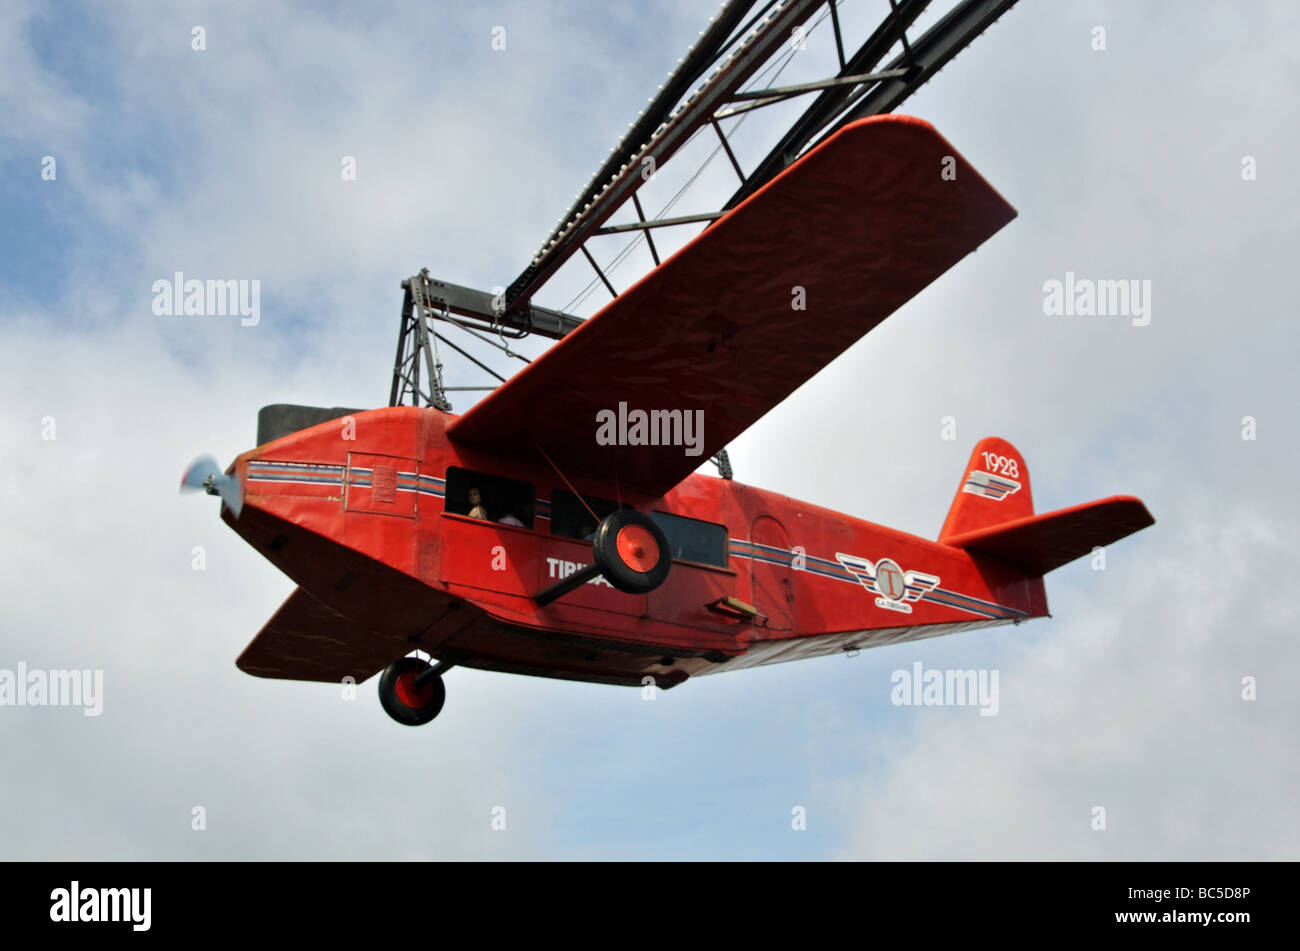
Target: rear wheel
[
  {"x": 404, "y": 700},
  {"x": 632, "y": 552}
]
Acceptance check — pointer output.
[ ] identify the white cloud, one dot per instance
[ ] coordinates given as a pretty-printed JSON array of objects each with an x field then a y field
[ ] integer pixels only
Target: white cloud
[{"x": 1134, "y": 704}]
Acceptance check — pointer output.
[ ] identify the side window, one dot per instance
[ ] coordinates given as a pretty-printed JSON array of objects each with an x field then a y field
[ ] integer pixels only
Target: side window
[
  {"x": 690, "y": 539},
  {"x": 570, "y": 518},
  {"x": 490, "y": 497}
]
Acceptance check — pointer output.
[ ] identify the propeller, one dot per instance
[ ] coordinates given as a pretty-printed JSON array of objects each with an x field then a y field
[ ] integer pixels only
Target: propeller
[{"x": 204, "y": 473}]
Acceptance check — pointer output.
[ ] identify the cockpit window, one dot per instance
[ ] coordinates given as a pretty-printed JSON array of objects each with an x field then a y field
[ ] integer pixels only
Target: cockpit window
[
  {"x": 690, "y": 539},
  {"x": 570, "y": 518},
  {"x": 489, "y": 497}
]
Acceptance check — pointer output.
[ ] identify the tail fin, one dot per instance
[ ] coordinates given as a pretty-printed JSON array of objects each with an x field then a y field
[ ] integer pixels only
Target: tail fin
[
  {"x": 981, "y": 520},
  {"x": 994, "y": 489}
]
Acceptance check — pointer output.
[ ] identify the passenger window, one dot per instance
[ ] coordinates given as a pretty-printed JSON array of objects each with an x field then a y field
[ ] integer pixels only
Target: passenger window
[
  {"x": 690, "y": 539},
  {"x": 489, "y": 497},
  {"x": 570, "y": 518}
]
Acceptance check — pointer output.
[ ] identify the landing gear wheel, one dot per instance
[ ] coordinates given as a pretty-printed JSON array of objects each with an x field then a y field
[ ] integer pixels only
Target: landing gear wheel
[
  {"x": 632, "y": 552},
  {"x": 404, "y": 701}
]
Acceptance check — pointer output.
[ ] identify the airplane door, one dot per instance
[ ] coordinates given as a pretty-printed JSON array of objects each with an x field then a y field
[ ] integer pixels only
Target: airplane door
[{"x": 770, "y": 572}]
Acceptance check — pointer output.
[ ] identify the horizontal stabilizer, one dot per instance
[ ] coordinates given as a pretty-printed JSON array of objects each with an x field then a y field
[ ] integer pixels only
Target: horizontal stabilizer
[{"x": 1039, "y": 543}]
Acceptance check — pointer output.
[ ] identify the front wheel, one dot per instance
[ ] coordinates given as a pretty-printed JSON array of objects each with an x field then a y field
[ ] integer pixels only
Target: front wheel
[
  {"x": 632, "y": 552},
  {"x": 405, "y": 701}
]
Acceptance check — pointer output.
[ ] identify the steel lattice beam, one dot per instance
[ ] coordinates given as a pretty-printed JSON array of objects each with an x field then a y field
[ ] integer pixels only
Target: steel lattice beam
[
  {"x": 745, "y": 35},
  {"x": 910, "y": 70},
  {"x": 661, "y": 130}
]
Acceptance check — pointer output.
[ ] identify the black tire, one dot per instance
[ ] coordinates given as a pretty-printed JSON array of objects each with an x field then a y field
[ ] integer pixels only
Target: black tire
[
  {"x": 401, "y": 700},
  {"x": 623, "y": 576}
]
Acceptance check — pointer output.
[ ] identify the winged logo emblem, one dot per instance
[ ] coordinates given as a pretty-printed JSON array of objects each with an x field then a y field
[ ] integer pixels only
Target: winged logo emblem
[
  {"x": 991, "y": 486},
  {"x": 894, "y": 587}
]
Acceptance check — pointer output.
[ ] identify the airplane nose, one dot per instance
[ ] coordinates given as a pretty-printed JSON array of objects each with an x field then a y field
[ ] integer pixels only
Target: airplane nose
[{"x": 204, "y": 473}]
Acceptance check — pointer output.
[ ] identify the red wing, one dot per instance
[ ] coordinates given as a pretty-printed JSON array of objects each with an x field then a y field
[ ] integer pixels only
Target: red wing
[
  {"x": 308, "y": 640},
  {"x": 751, "y": 308},
  {"x": 1040, "y": 543}
]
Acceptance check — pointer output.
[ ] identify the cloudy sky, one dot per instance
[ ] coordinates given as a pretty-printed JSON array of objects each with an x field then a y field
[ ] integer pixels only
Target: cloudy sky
[{"x": 1124, "y": 163}]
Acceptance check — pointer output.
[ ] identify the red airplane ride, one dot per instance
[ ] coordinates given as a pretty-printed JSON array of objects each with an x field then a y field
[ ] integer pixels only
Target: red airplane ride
[{"x": 619, "y": 564}]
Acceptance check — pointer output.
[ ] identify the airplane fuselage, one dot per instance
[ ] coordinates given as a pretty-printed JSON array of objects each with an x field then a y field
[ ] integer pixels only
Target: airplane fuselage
[{"x": 377, "y": 527}]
